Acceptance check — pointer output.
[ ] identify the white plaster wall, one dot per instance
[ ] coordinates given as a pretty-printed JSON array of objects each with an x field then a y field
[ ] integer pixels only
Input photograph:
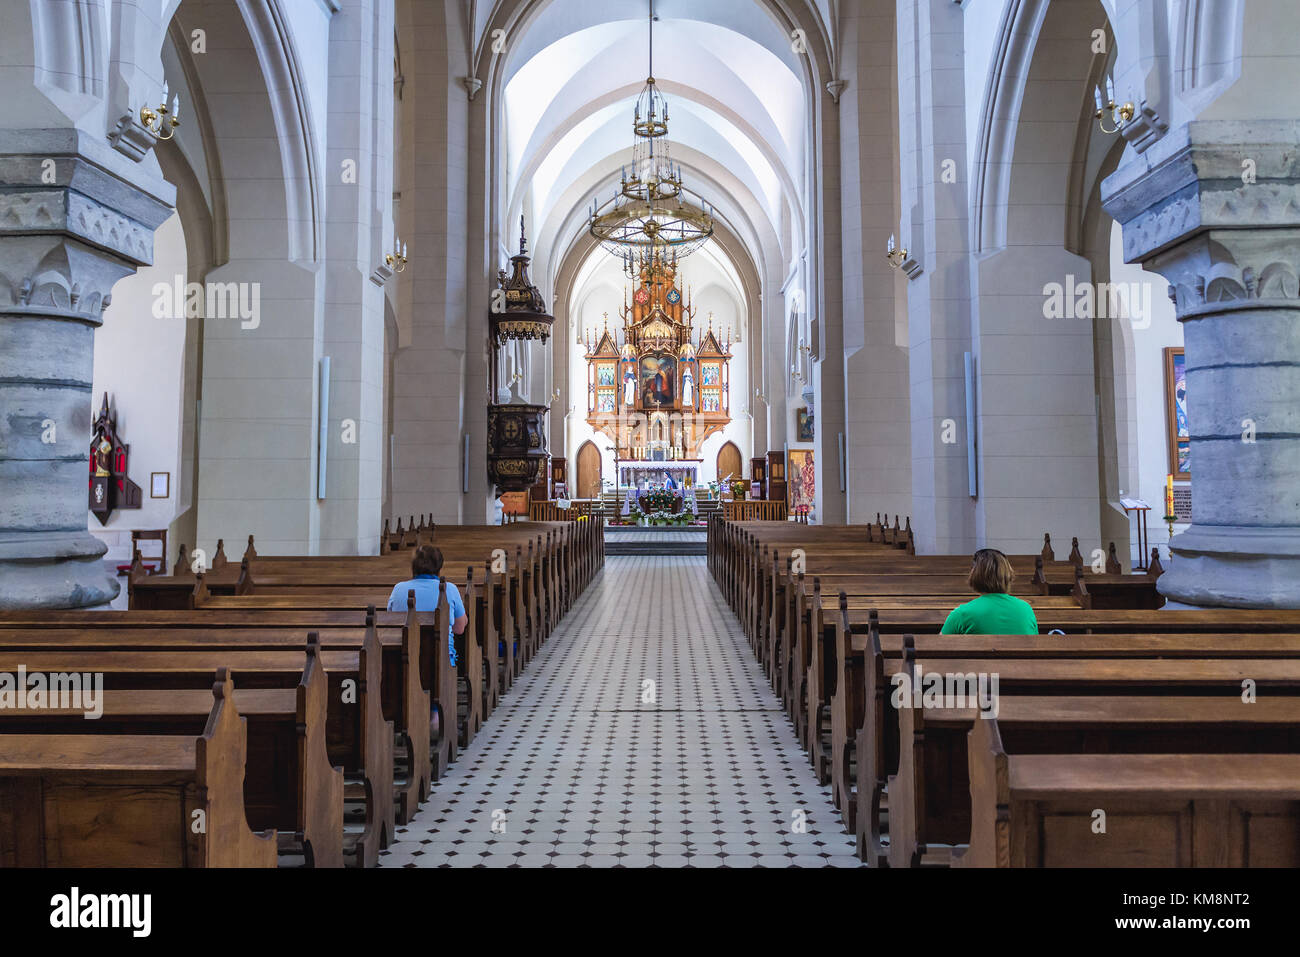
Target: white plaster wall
[{"x": 139, "y": 361}]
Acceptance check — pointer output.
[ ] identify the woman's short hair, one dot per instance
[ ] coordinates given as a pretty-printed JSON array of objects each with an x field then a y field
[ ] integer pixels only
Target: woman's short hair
[
  {"x": 991, "y": 572},
  {"x": 427, "y": 560}
]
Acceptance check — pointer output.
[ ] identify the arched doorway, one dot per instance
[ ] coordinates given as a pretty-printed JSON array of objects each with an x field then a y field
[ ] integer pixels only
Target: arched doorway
[
  {"x": 588, "y": 472},
  {"x": 729, "y": 462}
]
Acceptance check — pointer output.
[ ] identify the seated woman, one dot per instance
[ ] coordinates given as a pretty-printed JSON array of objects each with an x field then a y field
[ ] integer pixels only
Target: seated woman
[
  {"x": 994, "y": 612},
  {"x": 426, "y": 565}
]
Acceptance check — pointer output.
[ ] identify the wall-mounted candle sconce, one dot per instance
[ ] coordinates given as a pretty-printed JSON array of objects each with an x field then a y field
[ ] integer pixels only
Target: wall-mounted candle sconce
[{"x": 162, "y": 122}]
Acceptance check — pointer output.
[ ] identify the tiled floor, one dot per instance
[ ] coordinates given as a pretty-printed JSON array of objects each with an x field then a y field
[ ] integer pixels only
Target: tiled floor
[{"x": 644, "y": 734}]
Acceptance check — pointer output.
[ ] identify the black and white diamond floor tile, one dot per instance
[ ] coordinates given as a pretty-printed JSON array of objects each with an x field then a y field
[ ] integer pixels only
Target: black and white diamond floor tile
[{"x": 644, "y": 734}]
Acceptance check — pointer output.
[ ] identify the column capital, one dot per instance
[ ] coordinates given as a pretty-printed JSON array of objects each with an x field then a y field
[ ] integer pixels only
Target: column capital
[
  {"x": 70, "y": 227},
  {"x": 1206, "y": 175}
]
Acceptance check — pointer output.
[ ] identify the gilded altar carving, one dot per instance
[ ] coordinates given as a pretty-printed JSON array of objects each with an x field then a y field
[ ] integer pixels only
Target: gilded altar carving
[{"x": 665, "y": 389}]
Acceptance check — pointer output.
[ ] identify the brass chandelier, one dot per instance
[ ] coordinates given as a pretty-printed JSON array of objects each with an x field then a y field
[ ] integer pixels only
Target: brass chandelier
[{"x": 653, "y": 213}]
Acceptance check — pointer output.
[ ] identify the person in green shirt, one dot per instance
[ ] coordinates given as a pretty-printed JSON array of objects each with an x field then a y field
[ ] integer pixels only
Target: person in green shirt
[{"x": 994, "y": 612}]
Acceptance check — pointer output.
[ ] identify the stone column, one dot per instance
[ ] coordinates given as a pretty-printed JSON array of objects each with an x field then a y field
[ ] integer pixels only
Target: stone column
[
  {"x": 1214, "y": 207},
  {"x": 359, "y": 232},
  {"x": 935, "y": 231},
  {"x": 877, "y": 419},
  {"x": 429, "y": 368},
  {"x": 71, "y": 225}
]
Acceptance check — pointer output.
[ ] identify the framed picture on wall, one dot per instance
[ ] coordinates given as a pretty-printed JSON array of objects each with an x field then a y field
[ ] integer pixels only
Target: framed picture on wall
[
  {"x": 160, "y": 484},
  {"x": 804, "y": 431},
  {"x": 1179, "y": 438},
  {"x": 801, "y": 488}
]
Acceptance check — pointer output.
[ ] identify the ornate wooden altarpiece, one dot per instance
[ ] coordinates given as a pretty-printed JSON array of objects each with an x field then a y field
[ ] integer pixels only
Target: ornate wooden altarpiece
[{"x": 660, "y": 394}]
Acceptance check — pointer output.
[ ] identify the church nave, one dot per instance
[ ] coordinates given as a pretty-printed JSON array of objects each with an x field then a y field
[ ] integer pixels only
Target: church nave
[{"x": 582, "y": 771}]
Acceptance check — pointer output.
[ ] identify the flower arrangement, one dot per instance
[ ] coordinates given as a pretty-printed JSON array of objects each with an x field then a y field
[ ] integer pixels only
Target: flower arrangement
[
  {"x": 740, "y": 488},
  {"x": 659, "y": 500},
  {"x": 668, "y": 518}
]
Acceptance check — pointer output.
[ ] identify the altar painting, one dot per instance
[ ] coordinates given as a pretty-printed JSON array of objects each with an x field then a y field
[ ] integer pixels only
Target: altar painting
[{"x": 658, "y": 378}]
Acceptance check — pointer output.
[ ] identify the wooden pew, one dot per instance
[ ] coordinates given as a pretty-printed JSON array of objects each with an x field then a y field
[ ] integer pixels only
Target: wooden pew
[
  {"x": 404, "y": 655},
  {"x": 131, "y": 800},
  {"x": 929, "y": 798},
  {"x": 289, "y": 785},
  {"x": 1162, "y": 810},
  {"x": 363, "y": 739},
  {"x": 881, "y": 616},
  {"x": 815, "y": 661},
  {"x": 1035, "y": 671},
  {"x": 422, "y": 698},
  {"x": 549, "y": 567},
  {"x": 790, "y": 642},
  {"x": 425, "y": 678}
]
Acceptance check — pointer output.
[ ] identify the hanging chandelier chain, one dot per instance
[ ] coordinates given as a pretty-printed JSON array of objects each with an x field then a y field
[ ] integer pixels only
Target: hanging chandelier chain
[
  {"x": 653, "y": 211},
  {"x": 652, "y": 39}
]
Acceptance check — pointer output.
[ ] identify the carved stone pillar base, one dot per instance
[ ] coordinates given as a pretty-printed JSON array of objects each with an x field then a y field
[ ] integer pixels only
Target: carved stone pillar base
[
  {"x": 53, "y": 570},
  {"x": 1239, "y": 566}
]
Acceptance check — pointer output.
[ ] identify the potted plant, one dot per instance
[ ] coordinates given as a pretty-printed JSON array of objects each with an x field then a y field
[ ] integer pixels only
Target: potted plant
[{"x": 739, "y": 489}]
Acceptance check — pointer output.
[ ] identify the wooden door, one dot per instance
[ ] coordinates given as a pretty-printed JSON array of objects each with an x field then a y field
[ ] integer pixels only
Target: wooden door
[
  {"x": 729, "y": 462},
  {"x": 588, "y": 472}
]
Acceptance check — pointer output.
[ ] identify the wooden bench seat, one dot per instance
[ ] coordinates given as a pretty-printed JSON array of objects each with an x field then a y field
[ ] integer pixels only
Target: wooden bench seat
[
  {"x": 862, "y": 618},
  {"x": 289, "y": 784},
  {"x": 131, "y": 800},
  {"x": 929, "y": 797},
  {"x": 361, "y": 740},
  {"x": 1161, "y": 810},
  {"x": 875, "y": 744},
  {"x": 824, "y": 658},
  {"x": 250, "y": 616}
]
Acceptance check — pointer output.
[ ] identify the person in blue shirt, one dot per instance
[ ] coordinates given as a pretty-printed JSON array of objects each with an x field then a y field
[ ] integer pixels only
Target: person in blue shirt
[{"x": 426, "y": 565}]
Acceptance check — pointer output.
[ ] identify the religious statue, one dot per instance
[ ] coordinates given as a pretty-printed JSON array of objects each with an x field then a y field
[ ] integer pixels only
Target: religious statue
[
  {"x": 629, "y": 387},
  {"x": 103, "y": 457},
  {"x": 688, "y": 388}
]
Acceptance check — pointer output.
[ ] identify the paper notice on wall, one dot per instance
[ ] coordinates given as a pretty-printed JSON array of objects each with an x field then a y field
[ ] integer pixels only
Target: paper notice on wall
[{"x": 1183, "y": 503}]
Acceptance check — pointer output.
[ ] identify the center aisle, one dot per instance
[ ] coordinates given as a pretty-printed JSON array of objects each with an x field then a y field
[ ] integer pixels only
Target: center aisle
[{"x": 644, "y": 733}]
